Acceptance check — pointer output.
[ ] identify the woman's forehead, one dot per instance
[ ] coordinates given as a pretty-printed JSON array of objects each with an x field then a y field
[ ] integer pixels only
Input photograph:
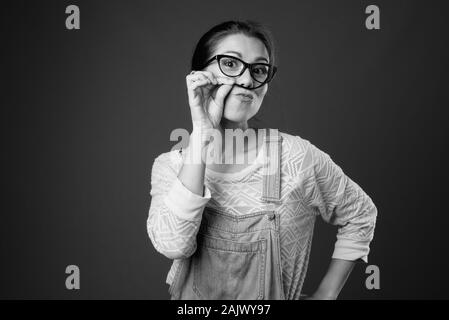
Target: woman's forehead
[{"x": 250, "y": 48}]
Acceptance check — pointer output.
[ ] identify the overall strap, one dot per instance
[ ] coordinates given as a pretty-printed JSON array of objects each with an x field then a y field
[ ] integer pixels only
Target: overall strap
[{"x": 271, "y": 185}]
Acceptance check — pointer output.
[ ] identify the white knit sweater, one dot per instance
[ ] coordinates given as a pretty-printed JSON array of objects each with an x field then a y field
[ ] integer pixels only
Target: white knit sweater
[{"x": 311, "y": 185}]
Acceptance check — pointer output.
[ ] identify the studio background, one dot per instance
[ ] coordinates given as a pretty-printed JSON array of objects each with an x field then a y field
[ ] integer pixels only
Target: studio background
[{"x": 85, "y": 112}]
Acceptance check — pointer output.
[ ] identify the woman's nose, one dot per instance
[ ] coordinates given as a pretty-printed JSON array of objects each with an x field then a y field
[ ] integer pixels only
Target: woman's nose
[{"x": 245, "y": 80}]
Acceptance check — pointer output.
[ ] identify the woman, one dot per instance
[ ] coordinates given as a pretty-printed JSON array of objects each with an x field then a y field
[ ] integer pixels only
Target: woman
[{"x": 244, "y": 230}]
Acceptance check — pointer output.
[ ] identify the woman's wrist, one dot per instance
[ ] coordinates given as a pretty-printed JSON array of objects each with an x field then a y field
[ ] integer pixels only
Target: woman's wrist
[
  {"x": 324, "y": 294},
  {"x": 198, "y": 145},
  {"x": 200, "y": 136},
  {"x": 334, "y": 280}
]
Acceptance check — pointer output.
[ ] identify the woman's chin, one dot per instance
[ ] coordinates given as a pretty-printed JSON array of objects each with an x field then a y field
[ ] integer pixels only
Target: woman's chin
[
  {"x": 236, "y": 117},
  {"x": 236, "y": 113}
]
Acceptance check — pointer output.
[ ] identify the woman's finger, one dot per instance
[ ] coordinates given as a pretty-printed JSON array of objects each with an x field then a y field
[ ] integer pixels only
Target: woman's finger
[
  {"x": 192, "y": 85},
  {"x": 211, "y": 76},
  {"x": 225, "y": 80},
  {"x": 198, "y": 75},
  {"x": 201, "y": 79},
  {"x": 199, "y": 83},
  {"x": 194, "y": 78},
  {"x": 192, "y": 90},
  {"x": 221, "y": 94}
]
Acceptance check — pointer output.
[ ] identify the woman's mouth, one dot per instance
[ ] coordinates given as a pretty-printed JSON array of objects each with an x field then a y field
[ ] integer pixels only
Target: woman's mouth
[{"x": 244, "y": 96}]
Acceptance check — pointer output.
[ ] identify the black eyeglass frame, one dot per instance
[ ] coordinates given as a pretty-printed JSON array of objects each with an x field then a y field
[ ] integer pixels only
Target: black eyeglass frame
[{"x": 245, "y": 66}]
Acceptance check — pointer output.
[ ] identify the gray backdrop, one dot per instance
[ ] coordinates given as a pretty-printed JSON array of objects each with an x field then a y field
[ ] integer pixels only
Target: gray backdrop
[{"x": 85, "y": 112}]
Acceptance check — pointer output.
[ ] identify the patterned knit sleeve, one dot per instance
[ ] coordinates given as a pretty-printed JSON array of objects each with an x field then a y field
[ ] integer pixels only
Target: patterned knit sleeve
[
  {"x": 342, "y": 202},
  {"x": 175, "y": 212}
]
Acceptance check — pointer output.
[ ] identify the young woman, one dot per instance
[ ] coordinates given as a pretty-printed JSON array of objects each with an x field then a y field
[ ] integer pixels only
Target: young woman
[{"x": 244, "y": 230}]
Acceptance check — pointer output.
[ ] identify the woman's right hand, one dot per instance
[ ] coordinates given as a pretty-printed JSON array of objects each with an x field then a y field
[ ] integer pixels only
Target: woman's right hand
[{"x": 206, "y": 98}]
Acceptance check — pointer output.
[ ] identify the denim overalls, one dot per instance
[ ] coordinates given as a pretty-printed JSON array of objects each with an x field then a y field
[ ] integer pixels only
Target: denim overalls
[{"x": 238, "y": 257}]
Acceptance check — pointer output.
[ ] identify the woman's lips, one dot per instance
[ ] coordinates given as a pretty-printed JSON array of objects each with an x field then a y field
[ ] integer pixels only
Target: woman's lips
[{"x": 244, "y": 97}]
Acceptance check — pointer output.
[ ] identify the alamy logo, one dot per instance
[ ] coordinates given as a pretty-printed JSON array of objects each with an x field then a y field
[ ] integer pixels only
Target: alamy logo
[
  {"x": 73, "y": 20},
  {"x": 372, "y": 22},
  {"x": 229, "y": 139},
  {"x": 373, "y": 280},
  {"x": 73, "y": 280}
]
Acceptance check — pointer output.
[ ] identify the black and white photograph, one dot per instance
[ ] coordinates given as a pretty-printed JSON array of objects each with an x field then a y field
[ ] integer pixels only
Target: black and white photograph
[{"x": 224, "y": 150}]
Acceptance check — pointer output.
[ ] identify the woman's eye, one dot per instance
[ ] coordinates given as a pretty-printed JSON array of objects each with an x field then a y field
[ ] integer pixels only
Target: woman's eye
[
  {"x": 260, "y": 70},
  {"x": 229, "y": 63}
]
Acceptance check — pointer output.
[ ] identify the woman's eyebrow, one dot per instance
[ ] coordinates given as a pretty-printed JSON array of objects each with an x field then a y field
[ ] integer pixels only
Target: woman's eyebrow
[{"x": 240, "y": 55}]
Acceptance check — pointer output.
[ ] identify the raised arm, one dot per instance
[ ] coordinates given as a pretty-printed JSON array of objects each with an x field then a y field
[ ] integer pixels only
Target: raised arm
[
  {"x": 178, "y": 198},
  {"x": 175, "y": 211}
]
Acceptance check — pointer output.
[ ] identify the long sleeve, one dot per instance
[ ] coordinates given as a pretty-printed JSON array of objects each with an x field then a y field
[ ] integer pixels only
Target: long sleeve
[
  {"x": 175, "y": 212},
  {"x": 342, "y": 202}
]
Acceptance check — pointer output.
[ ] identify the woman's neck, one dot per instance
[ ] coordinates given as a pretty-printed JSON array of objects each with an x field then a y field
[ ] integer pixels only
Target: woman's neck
[
  {"x": 236, "y": 134},
  {"x": 227, "y": 124}
]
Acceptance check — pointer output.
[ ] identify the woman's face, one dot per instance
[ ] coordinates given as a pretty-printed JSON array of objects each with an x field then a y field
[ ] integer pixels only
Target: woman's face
[{"x": 249, "y": 49}]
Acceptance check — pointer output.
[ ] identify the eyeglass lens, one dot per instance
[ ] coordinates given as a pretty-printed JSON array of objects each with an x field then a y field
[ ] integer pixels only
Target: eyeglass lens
[{"x": 233, "y": 67}]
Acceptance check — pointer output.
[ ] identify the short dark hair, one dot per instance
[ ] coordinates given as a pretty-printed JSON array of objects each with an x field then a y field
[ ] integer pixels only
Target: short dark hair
[{"x": 208, "y": 42}]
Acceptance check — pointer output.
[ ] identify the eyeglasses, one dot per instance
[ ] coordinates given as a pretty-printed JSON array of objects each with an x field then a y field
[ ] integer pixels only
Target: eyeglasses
[{"x": 234, "y": 67}]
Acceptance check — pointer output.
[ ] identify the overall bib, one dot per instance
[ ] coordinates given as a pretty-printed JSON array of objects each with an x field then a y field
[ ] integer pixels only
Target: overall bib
[{"x": 238, "y": 257}]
